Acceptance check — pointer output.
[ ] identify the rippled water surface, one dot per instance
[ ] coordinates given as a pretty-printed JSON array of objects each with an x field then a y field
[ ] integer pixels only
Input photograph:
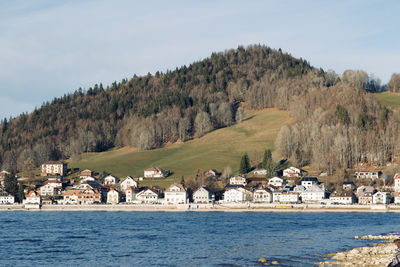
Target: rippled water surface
[{"x": 181, "y": 238}]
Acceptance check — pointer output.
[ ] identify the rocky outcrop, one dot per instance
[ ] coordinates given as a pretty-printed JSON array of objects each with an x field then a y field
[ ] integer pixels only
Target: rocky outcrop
[{"x": 378, "y": 255}]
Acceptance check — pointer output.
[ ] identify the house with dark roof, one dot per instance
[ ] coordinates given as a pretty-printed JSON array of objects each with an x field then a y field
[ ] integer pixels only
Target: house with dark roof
[{"x": 307, "y": 182}]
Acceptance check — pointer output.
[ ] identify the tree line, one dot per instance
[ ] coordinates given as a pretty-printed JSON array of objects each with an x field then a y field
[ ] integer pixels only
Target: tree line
[
  {"x": 341, "y": 125},
  {"x": 152, "y": 110}
]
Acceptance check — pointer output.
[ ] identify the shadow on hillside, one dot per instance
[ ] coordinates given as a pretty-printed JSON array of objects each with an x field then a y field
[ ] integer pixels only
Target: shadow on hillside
[{"x": 249, "y": 118}]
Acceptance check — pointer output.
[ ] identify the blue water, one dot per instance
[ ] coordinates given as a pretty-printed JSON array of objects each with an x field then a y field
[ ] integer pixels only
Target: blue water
[{"x": 181, "y": 238}]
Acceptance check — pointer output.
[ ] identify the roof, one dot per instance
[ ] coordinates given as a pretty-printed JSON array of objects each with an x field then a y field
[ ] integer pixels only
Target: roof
[
  {"x": 54, "y": 162},
  {"x": 181, "y": 188},
  {"x": 202, "y": 187},
  {"x": 32, "y": 193},
  {"x": 147, "y": 189},
  {"x": 343, "y": 194},
  {"x": 263, "y": 189},
  {"x": 233, "y": 186},
  {"x": 309, "y": 179},
  {"x": 52, "y": 181},
  {"x": 315, "y": 188},
  {"x": 80, "y": 192},
  {"x": 154, "y": 169}
]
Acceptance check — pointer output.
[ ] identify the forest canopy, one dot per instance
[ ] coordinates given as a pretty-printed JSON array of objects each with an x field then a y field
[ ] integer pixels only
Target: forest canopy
[{"x": 152, "y": 110}]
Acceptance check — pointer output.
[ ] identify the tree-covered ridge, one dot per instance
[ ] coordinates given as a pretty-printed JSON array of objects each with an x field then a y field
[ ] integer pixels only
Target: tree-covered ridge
[{"x": 149, "y": 111}]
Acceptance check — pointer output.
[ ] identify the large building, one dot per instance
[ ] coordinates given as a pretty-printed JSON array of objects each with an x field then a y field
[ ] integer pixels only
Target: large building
[
  {"x": 54, "y": 168},
  {"x": 203, "y": 195},
  {"x": 176, "y": 194}
]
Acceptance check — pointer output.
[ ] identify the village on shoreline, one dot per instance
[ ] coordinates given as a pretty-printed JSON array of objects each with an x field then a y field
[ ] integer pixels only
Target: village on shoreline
[{"x": 294, "y": 191}]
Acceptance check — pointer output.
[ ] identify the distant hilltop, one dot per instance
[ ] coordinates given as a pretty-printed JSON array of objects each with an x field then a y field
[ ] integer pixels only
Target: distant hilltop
[{"x": 336, "y": 117}]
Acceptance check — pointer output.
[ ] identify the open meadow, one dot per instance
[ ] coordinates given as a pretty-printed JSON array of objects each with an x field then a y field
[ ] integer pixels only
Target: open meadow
[{"x": 215, "y": 150}]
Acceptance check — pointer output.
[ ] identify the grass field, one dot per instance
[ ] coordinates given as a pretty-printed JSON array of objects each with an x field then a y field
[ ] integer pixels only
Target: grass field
[
  {"x": 389, "y": 99},
  {"x": 216, "y": 150}
]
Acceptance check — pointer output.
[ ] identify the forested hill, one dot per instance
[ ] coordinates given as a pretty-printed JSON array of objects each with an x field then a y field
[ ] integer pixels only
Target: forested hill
[{"x": 149, "y": 111}]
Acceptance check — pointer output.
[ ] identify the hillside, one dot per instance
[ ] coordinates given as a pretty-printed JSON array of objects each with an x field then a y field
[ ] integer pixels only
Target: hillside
[
  {"x": 215, "y": 150},
  {"x": 150, "y": 111}
]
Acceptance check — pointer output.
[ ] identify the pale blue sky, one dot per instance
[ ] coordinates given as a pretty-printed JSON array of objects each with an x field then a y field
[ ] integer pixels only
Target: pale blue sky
[{"x": 48, "y": 48}]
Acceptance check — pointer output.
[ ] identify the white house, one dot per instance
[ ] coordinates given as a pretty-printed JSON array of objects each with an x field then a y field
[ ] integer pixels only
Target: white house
[
  {"x": 113, "y": 196},
  {"x": 238, "y": 180},
  {"x": 6, "y": 198},
  {"x": 348, "y": 186},
  {"x": 367, "y": 174},
  {"x": 127, "y": 182},
  {"x": 308, "y": 182},
  {"x": 315, "y": 193},
  {"x": 397, "y": 198},
  {"x": 343, "y": 197},
  {"x": 71, "y": 196},
  {"x": 47, "y": 190},
  {"x": 292, "y": 172},
  {"x": 153, "y": 172},
  {"x": 110, "y": 180},
  {"x": 147, "y": 196},
  {"x": 299, "y": 189},
  {"x": 262, "y": 195},
  {"x": 276, "y": 181},
  {"x": 260, "y": 172},
  {"x": 130, "y": 194},
  {"x": 365, "y": 189},
  {"x": 176, "y": 194},
  {"x": 85, "y": 173},
  {"x": 276, "y": 195},
  {"x": 289, "y": 197},
  {"x": 236, "y": 194},
  {"x": 397, "y": 182},
  {"x": 381, "y": 198},
  {"x": 32, "y": 198},
  {"x": 203, "y": 195},
  {"x": 54, "y": 168}
]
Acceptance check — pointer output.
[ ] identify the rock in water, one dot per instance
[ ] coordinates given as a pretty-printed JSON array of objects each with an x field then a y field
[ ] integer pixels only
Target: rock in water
[
  {"x": 262, "y": 260},
  {"x": 275, "y": 262}
]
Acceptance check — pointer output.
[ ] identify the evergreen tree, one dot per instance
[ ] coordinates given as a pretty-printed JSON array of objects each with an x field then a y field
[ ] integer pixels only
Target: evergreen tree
[
  {"x": 10, "y": 184},
  {"x": 268, "y": 164},
  {"x": 245, "y": 164},
  {"x": 21, "y": 194}
]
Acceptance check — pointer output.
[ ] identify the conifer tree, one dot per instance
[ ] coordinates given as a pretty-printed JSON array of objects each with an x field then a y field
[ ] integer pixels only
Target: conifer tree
[
  {"x": 244, "y": 164},
  {"x": 21, "y": 194},
  {"x": 10, "y": 184},
  {"x": 268, "y": 164}
]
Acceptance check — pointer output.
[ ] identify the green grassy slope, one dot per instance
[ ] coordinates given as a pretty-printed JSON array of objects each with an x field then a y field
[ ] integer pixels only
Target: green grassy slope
[
  {"x": 215, "y": 150},
  {"x": 389, "y": 99}
]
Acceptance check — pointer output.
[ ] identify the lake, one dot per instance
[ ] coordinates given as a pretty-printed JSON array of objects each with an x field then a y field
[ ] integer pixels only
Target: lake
[{"x": 182, "y": 238}]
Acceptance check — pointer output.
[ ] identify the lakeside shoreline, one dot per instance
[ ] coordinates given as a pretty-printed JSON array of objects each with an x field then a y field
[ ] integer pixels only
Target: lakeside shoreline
[
  {"x": 378, "y": 254},
  {"x": 204, "y": 208}
]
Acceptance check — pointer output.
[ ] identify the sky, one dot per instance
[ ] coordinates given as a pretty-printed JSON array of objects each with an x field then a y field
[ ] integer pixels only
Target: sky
[{"x": 50, "y": 48}]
